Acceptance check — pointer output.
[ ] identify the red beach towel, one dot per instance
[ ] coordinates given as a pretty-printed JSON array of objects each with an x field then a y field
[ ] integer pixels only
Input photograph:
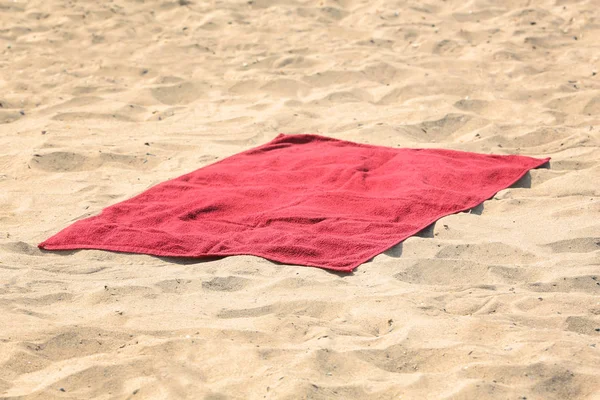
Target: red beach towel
[{"x": 299, "y": 199}]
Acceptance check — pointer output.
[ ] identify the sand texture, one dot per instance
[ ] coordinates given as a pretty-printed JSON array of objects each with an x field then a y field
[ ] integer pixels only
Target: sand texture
[{"x": 100, "y": 100}]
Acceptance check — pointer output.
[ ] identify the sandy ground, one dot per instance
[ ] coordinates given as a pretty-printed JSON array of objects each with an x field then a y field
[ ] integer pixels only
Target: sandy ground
[{"x": 101, "y": 100}]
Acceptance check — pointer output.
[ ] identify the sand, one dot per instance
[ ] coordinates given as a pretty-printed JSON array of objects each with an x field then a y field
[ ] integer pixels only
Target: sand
[{"x": 101, "y": 100}]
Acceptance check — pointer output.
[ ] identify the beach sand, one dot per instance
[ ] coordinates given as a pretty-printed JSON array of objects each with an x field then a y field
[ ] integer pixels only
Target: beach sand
[{"x": 101, "y": 100}]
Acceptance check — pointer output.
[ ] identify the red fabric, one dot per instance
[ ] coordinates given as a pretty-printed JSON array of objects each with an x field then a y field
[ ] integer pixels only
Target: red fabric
[{"x": 300, "y": 199}]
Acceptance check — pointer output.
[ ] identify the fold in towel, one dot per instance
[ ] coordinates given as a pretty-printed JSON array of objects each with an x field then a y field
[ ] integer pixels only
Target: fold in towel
[{"x": 299, "y": 199}]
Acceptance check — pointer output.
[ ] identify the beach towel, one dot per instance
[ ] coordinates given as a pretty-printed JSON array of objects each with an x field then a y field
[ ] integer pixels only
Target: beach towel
[{"x": 299, "y": 199}]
